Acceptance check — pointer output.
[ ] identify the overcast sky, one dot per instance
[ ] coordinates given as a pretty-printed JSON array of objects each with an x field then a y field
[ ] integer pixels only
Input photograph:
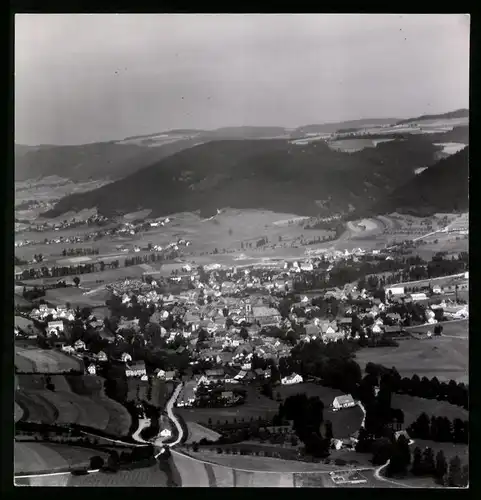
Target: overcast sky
[{"x": 95, "y": 77}]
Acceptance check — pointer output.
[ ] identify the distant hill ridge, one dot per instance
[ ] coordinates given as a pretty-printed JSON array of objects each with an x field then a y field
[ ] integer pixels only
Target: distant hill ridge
[
  {"x": 459, "y": 113},
  {"x": 271, "y": 174},
  {"x": 119, "y": 158}
]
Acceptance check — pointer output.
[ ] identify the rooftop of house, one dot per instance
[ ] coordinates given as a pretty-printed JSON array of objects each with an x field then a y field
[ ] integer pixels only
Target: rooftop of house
[{"x": 344, "y": 399}]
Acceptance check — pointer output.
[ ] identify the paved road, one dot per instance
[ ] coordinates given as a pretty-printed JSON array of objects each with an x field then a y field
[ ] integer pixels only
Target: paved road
[
  {"x": 379, "y": 477},
  {"x": 159, "y": 440}
]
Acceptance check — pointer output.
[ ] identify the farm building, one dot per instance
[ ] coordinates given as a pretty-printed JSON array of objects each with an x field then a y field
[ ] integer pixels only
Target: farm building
[
  {"x": 418, "y": 296},
  {"x": 395, "y": 290},
  {"x": 292, "y": 379},
  {"x": 79, "y": 345},
  {"x": 92, "y": 370},
  {"x": 136, "y": 370},
  {"x": 345, "y": 401}
]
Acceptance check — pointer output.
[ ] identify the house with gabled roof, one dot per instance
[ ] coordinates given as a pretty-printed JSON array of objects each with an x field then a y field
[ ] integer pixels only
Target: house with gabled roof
[
  {"x": 345, "y": 401},
  {"x": 294, "y": 378}
]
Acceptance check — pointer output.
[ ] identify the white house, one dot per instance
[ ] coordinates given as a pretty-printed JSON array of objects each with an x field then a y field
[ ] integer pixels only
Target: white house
[
  {"x": 345, "y": 401},
  {"x": 395, "y": 290},
  {"x": 91, "y": 369},
  {"x": 292, "y": 379},
  {"x": 418, "y": 296},
  {"x": 165, "y": 433},
  {"x": 55, "y": 326},
  {"x": 79, "y": 345},
  {"x": 437, "y": 289},
  {"x": 376, "y": 328},
  {"x": 101, "y": 356},
  {"x": 126, "y": 357},
  {"x": 68, "y": 349}
]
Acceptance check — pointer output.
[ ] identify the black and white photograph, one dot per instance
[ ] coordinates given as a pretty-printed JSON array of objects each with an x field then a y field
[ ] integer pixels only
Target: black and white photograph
[{"x": 241, "y": 250}]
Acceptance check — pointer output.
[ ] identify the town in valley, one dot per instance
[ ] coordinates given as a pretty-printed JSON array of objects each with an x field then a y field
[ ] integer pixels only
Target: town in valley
[{"x": 240, "y": 306}]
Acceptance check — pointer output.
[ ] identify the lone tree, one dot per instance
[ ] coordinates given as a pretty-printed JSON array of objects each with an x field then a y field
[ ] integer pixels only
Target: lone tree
[
  {"x": 76, "y": 280},
  {"x": 416, "y": 467},
  {"x": 441, "y": 467},
  {"x": 455, "y": 475},
  {"x": 428, "y": 463}
]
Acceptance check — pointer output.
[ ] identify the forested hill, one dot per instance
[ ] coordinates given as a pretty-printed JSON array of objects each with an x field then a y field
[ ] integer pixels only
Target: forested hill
[
  {"x": 268, "y": 174},
  {"x": 443, "y": 187}
]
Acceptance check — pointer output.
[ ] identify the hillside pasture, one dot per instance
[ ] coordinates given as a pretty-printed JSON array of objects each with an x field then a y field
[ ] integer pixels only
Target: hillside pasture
[
  {"x": 86, "y": 386},
  {"x": 90, "y": 413},
  {"x": 146, "y": 477},
  {"x": 36, "y": 457},
  {"x": 442, "y": 357},
  {"x": 119, "y": 418},
  {"x": 413, "y": 407},
  {"x": 36, "y": 409},
  {"x": 66, "y": 411},
  {"x": 79, "y": 400},
  {"x": 44, "y": 361},
  {"x": 33, "y": 458}
]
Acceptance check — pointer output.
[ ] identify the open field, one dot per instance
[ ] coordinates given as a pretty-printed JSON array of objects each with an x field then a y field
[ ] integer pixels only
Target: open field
[
  {"x": 26, "y": 325},
  {"x": 89, "y": 407},
  {"x": 76, "y": 297},
  {"x": 44, "y": 361},
  {"x": 146, "y": 477},
  {"x": 197, "y": 432},
  {"x": 454, "y": 328},
  {"x": 442, "y": 357},
  {"x": 413, "y": 407},
  {"x": 47, "y": 457},
  {"x": 212, "y": 470}
]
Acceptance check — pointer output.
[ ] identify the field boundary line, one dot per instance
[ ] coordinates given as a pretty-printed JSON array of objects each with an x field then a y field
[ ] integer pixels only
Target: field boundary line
[{"x": 271, "y": 471}]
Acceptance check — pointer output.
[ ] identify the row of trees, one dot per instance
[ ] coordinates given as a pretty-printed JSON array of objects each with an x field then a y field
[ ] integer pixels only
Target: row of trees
[
  {"x": 440, "y": 429},
  {"x": 150, "y": 257},
  {"x": 115, "y": 460},
  {"x": 453, "y": 392},
  {"x": 424, "y": 463},
  {"x": 60, "y": 271},
  {"x": 80, "y": 251}
]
